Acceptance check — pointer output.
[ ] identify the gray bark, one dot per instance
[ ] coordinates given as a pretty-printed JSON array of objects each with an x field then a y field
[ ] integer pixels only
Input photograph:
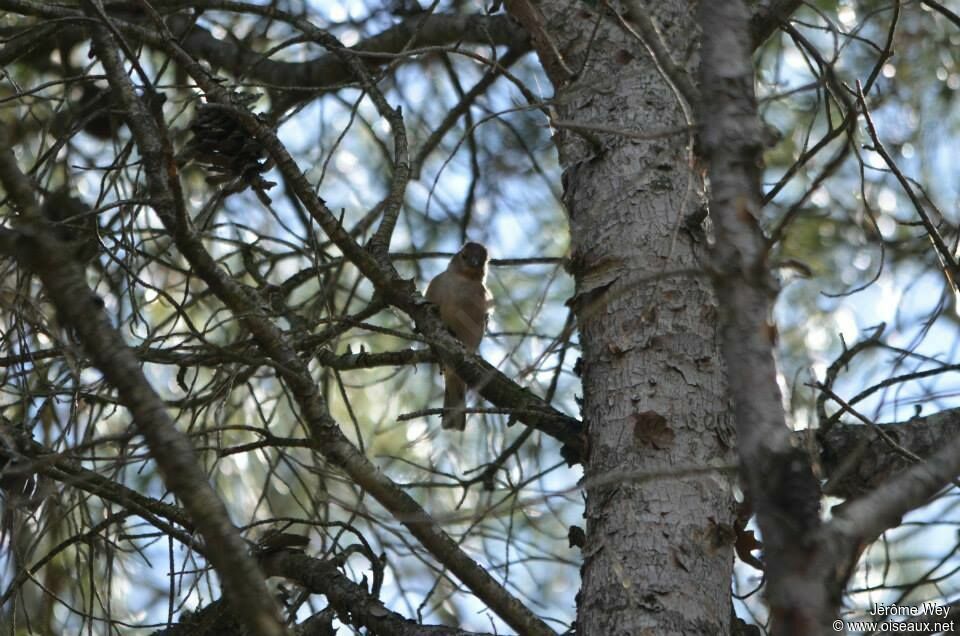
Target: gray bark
[{"x": 657, "y": 557}]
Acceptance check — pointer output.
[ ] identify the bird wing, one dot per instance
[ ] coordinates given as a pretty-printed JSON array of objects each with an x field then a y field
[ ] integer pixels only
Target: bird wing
[{"x": 434, "y": 289}]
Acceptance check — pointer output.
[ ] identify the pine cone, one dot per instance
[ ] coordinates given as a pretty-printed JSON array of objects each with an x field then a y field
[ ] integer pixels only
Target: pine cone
[{"x": 222, "y": 146}]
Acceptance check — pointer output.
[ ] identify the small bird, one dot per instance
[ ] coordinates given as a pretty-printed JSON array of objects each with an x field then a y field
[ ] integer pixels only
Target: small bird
[{"x": 463, "y": 300}]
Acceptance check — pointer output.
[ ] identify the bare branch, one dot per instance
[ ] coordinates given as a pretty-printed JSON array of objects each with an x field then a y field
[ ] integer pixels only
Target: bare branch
[
  {"x": 78, "y": 307},
  {"x": 780, "y": 483}
]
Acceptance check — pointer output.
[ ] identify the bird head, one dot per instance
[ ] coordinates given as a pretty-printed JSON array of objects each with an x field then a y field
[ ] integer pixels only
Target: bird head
[{"x": 473, "y": 255}]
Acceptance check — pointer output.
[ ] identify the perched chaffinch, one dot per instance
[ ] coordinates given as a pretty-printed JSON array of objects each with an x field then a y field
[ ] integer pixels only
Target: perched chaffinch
[{"x": 463, "y": 299}]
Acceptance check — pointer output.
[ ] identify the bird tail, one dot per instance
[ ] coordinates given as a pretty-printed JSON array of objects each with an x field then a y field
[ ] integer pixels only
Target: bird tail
[{"x": 454, "y": 401}]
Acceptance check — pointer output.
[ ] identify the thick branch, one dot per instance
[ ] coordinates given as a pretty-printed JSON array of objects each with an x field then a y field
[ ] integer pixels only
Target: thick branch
[
  {"x": 778, "y": 476},
  {"x": 855, "y": 460},
  {"x": 329, "y": 71},
  {"x": 860, "y": 521}
]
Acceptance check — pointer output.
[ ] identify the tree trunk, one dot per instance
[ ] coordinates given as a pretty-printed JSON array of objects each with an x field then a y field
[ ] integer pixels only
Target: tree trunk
[{"x": 659, "y": 475}]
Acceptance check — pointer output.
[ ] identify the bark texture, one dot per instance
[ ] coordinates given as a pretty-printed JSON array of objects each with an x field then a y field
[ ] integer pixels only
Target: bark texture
[{"x": 658, "y": 482}]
